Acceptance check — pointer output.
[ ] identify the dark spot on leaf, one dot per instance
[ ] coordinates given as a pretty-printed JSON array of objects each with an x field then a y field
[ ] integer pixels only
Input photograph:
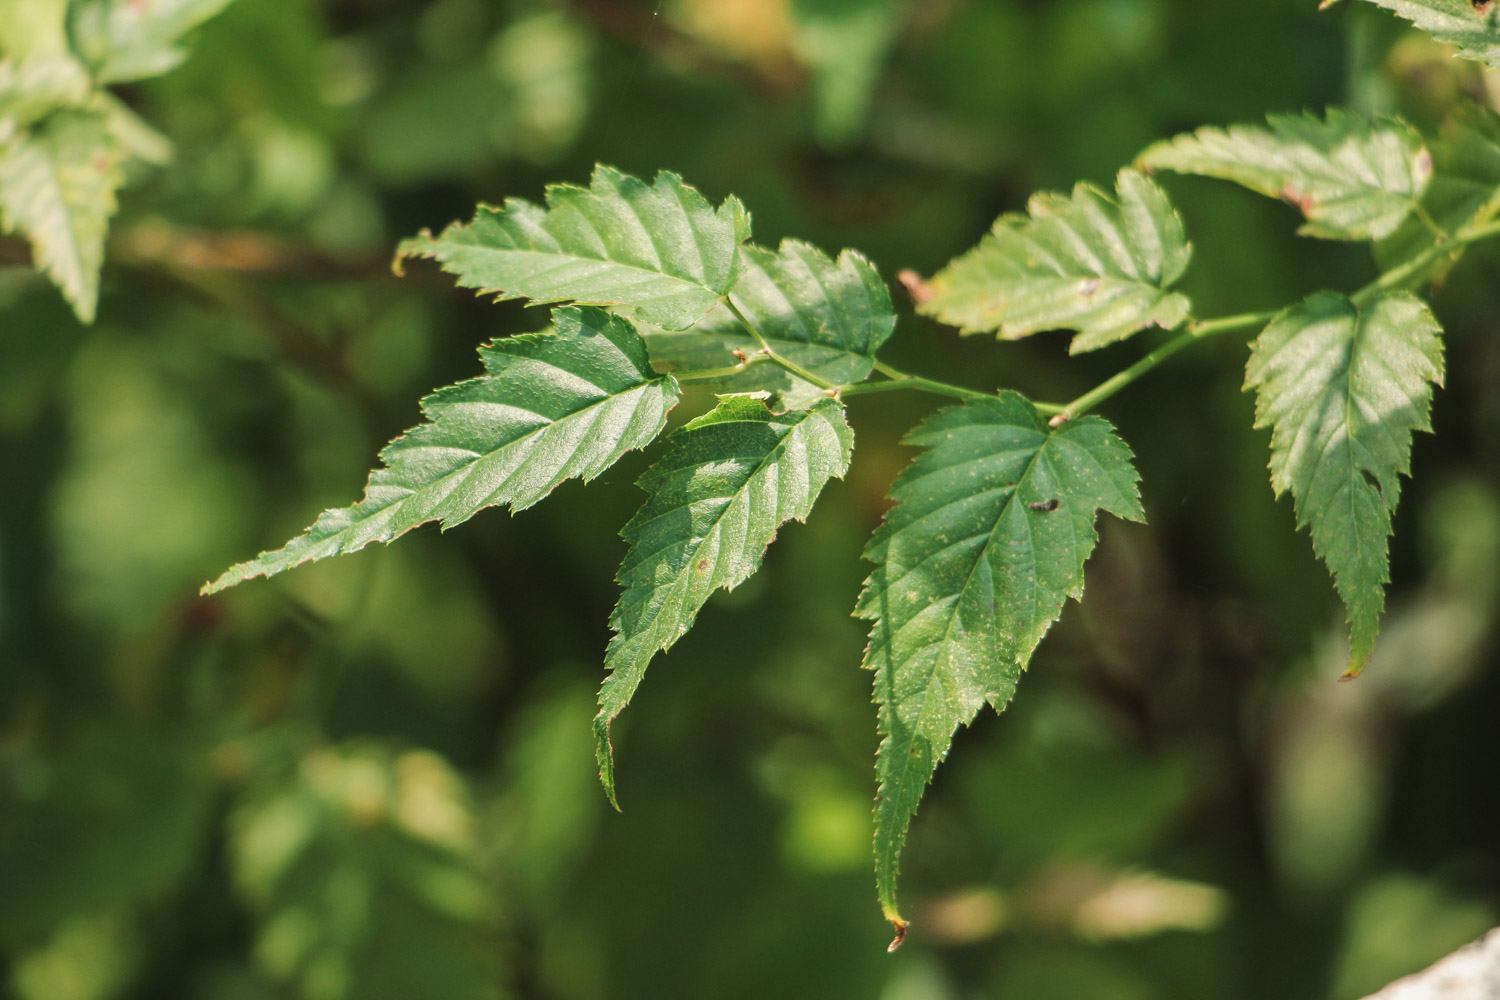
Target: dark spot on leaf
[
  {"x": 702, "y": 565},
  {"x": 1482, "y": 6},
  {"x": 1045, "y": 506},
  {"x": 1373, "y": 482}
]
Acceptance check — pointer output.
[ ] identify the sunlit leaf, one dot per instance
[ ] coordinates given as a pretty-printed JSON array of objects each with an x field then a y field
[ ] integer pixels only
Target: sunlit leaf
[
  {"x": 658, "y": 253},
  {"x": 551, "y": 407},
  {"x": 1472, "y": 26},
  {"x": 1353, "y": 179},
  {"x": 827, "y": 317},
  {"x": 1089, "y": 262},
  {"x": 725, "y": 485},
  {"x": 988, "y": 537},
  {"x": 57, "y": 187},
  {"x": 134, "y": 39},
  {"x": 1342, "y": 388}
]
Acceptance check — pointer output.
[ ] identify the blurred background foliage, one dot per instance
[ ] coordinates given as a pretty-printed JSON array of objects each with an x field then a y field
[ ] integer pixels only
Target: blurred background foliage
[{"x": 373, "y": 777}]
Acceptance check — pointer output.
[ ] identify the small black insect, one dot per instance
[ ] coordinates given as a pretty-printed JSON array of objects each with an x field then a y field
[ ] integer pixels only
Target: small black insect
[{"x": 1044, "y": 506}]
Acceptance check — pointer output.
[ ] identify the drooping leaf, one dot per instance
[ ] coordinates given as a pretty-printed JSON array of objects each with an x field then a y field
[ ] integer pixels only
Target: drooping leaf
[
  {"x": 128, "y": 40},
  {"x": 57, "y": 187},
  {"x": 1353, "y": 179},
  {"x": 1342, "y": 388},
  {"x": 828, "y": 317},
  {"x": 727, "y": 482},
  {"x": 1091, "y": 263},
  {"x": 550, "y": 407},
  {"x": 1473, "y": 26},
  {"x": 987, "y": 539},
  {"x": 657, "y": 253},
  {"x": 1464, "y": 191}
]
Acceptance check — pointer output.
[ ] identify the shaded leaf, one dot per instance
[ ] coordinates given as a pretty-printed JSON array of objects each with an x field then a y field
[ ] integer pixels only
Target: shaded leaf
[
  {"x": 128, "y": 40},
  {"x": 1473, "y": 26},
  {"x": 659, "y": 254},
  {"x": 551, "y": 406},
  {"x": 1464, "y": 191},
  {"x": 1342, "y": 388},
  {"x": 725, "y": 485},
  {"x": 1353, "y": 179},
  {"x": 987, "y": 539},
  {"x": 57, "y": 187},
  {"x": 828, "y": 317},
  {"x": 844, "y": 43},
  {"x": 1091, "y": 263}
]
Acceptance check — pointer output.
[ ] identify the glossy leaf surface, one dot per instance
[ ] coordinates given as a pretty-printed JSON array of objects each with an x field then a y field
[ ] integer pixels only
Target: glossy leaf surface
[
  {"x": 1342, "y": 389},
  {"x": 720, "y": 493},
  {"x": 992, "y": 524},
  {"x": 551, "y": 407},
  {"x": 658, "y": 253},
  {"x": 1102, "y": 266}
]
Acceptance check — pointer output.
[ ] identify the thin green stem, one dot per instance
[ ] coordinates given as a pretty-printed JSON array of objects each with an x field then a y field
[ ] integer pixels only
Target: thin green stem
[
  {"x": 1195, "y": 331},
  {"x": 760, "y": 340},
  {"x": 903, "y": 380},
  {"x": 1398, "y": 276},
  {"x": 703, "y": 374},
  {"x": 1420, "y": 211}
]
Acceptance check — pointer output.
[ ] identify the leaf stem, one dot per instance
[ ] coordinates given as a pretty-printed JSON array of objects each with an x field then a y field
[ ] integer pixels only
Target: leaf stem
[
  {"x": 703, "y": 374},
  {"x": 1195, "y": 331},
  {"x": 902, "y": 380},
  {"x": 1403, "y": 273},
  {"x": 769, "y": 352}
]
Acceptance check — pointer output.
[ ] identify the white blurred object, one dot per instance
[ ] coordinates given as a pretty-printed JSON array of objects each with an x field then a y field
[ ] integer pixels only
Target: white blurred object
[{"x": 1471, "y": 973}]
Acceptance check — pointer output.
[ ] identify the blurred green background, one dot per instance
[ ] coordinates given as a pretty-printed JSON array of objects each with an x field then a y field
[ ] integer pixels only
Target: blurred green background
[{"x": 373, "y": 778}]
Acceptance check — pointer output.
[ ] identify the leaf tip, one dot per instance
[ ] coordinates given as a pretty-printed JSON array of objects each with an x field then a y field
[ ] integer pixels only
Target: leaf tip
[
  {"x": 916, "y": 286},
  {"x": 899, "y": 926},
  {"x": 605, "y": 755}
]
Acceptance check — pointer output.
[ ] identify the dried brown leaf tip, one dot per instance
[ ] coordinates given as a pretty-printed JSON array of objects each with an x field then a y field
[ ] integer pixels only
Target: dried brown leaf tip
[
  {"x": 900, "y": 928},
  {"x": 1292, "y": 196},
  {"x": 916, "y": 286}
]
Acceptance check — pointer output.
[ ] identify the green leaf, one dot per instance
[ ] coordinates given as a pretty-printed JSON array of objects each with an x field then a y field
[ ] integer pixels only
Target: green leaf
[
  {"x": 727, "y": 482},
  {"x": 128, "y": 40},
  {"x": 57, "y": 187},
  {"x": 987, "y": 539},
  {"x": 1464, "y": 191},
  {"x": 550, "y": 407},
  {"x": 1472, "y": 26},
  {"x": 33, "y": 88},
  {"x": 829, "y": 318},
  {"x": 1342, "y": 388},
  {"x": 660, "y": 254},
  {"x": 1353, "y": 179},
  {"x": 1089, "y": 263},
  {"x": 844, "y": 43}
]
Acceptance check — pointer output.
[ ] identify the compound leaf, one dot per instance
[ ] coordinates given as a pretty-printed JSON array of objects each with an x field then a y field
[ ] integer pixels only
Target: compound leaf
[
  {"x": 57, "y": 187},
  {"x": 550, "y": 407},
  {"x": 1091, "y": 263},
  {"x": 987, "y": 539},
  {"x": 658, "y": 253},
  {"x": 726, "y": 483},
  {"x": 1353, "y": 179},
  {"x": 128, "y": 40},
  {"x": 1342, "y": 387},
  {"x": 1472, "y": 26},
  {"x": 1464, "y": 191},
  {"x": 830, "y": 318}
]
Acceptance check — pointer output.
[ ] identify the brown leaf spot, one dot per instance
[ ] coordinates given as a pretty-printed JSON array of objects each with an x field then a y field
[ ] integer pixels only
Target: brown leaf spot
[
  {"x": 1045, "y": 506},
  {"x": 1292, "y": 196},
  {"x": 1482, "y": 6},
  {"x": 702, "y": 565},
  {"x": 916, "y": 286},
  {"x": 900, "y": 928}
]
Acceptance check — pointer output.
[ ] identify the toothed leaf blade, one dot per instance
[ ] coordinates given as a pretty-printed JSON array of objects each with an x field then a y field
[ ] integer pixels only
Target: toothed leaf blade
[
  {"x": 1472, "y": 26},
  {"x": 550, "y": 407},
  {"x": 1342, "y": 388},
  {"x": 657, "y": 253},
  {"x": 987, "y": 539},
  {"x": 725, "y": 485},
  {"x": 1093, "y": 263}
]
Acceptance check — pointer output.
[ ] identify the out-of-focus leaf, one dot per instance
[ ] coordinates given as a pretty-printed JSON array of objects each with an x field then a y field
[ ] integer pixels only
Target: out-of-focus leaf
[
  {"x": 1473, "y": 26},
  {"x": 658, "y": 253},
  {"x": 117, "y": 818},
  {"x": 362, "y": 869},
  {"x": 552, "y": 406},
  {"x": 726, "y": 484},
  {"x": 1464, "y": 191},
  {"x": 988, "y": 537},
  {"x": 1353, "y": 179},
  {"x": 844, "y": 43},
  {"x": 1343, "y": 387},
  {"x": 1089, "y": 262},
  {"x": 828, "y": 317},
  {"x": 32, "y": 88},
  {"x": 57, "y": 187},
  {"x": 33, "y": 28},
  {"x": 128, "y": 40}
]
